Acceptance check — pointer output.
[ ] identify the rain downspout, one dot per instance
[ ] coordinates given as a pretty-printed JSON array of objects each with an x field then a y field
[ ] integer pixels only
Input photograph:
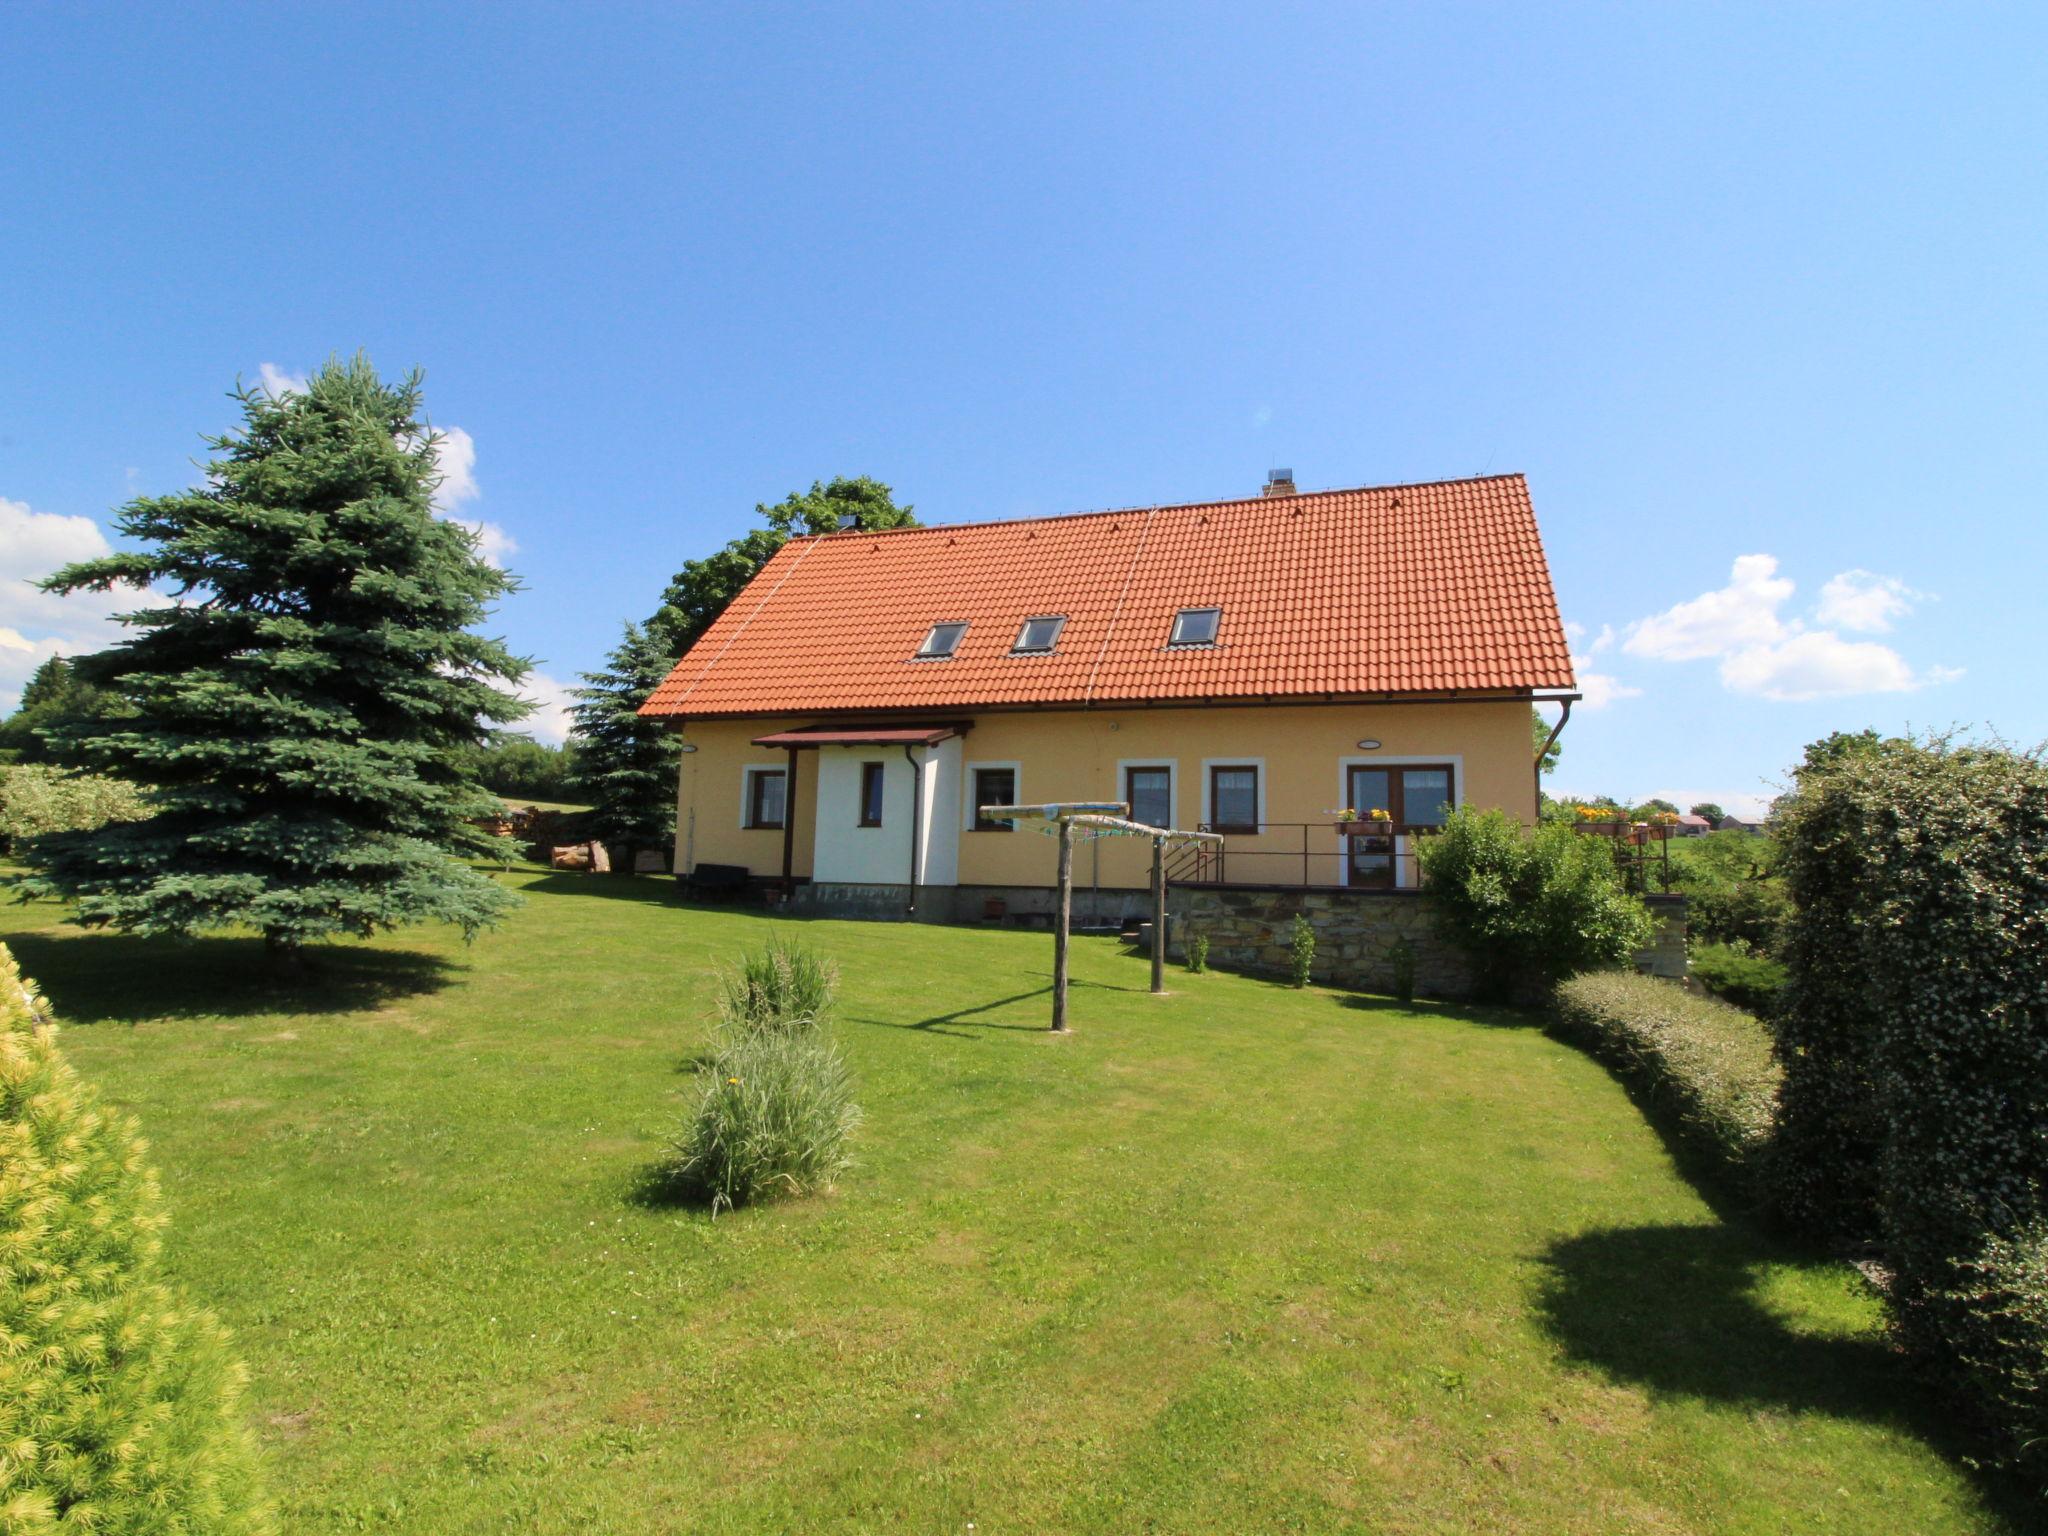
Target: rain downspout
[{"x": 916, "y": 816}]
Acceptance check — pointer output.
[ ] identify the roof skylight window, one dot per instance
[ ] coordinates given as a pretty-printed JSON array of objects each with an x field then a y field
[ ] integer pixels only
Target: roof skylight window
[
  {"x": 1196, "y": 626},
  {"x": 1038, "y": 635},
  {"x": 941, "y": 643}
]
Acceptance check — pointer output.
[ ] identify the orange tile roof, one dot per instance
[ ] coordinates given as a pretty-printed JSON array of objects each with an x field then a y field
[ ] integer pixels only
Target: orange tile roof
[{"x": 1397, "y": 589}]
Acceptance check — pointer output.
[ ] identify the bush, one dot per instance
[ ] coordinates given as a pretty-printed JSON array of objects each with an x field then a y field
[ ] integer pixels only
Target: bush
[
  {"x": 1706, "y": 1062},
  {"x": 782, "y": 988},
  {"x": 1198, "y": 952},
  {"x": 119, "y": 1401},
  {"x": 773, "y": 1115},
  {"x": 36, "y": 798},
  {"x": 1915, "y": 1035},
  {"x": 1301, "y": 950},
  {"x": 1526, "y": 903},
  {"x": 1738, "y": 974}
]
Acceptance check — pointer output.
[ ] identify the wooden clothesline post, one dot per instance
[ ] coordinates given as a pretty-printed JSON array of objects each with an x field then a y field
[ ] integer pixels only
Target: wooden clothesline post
[{"x": 1099, "y": 816}]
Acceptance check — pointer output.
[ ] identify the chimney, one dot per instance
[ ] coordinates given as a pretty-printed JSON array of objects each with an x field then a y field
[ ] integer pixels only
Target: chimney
[{"x": 1279, "y": 482}]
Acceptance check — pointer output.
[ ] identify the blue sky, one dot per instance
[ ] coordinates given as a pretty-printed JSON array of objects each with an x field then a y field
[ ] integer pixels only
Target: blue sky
[{"x": 1755, "y": 296}]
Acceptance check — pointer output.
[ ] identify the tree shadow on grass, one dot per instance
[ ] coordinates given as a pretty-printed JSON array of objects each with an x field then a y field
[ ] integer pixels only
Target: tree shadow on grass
[
  {"x": 937, "y": 1023},
  {"x": 657, "y": 890},
  {"x": 1675, "y": 1309},
  {"x": 111, "y": 978},
  {"x": 1492, "y": 1015}
]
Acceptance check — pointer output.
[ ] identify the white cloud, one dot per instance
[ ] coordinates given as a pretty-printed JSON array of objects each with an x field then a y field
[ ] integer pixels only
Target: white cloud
[
  {"x": 36, "y": 625},
  {"x": 455, "y": 453},
  {"x": 1749, "y": 804},
  {"x": 1597, "y": 689},
  {"x": 550, "y": 720},
  {"x": 1740, "y": 615},
  {"x": 278, "y": 382},
  {"x": 1769, "y": 656},
  {"x": 1865, "y": 601},
  {"x": 1600, "y": 689},
  {"x": 1818, "y": 665}
]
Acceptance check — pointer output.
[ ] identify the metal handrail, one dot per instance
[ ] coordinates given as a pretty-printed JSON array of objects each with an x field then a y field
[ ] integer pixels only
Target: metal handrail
[{"x": 1202, "y": 864}]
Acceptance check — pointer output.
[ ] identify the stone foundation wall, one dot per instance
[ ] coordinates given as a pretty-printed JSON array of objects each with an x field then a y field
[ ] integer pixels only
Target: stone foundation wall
[{"x": 1358, "y": 934}]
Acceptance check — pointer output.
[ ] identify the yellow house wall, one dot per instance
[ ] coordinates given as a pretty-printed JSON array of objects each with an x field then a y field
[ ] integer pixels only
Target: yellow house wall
[
  {"x": 1075, "y": 755},
  {"x": 709, "y": 801}
]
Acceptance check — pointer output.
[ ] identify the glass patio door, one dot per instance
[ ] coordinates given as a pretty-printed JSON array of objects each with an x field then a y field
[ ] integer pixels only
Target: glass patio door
[
  {"x": 1372, "y": 858},
  {"x": 1417, "y": 798}
]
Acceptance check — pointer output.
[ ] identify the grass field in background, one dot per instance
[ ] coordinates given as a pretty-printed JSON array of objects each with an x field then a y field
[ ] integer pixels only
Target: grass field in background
[{"x": 1238, "y": 1259}]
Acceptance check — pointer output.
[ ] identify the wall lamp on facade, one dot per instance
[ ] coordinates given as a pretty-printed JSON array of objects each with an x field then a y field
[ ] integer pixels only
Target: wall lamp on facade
[{"x": 1368, "y": 746}]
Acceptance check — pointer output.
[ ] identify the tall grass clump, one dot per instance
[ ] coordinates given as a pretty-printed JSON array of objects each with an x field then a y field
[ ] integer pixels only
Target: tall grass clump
[
  {"x": 784, "y": 987},
  {"x": 120, "y": 1403},
  {"x": 774, "y": 1109}
]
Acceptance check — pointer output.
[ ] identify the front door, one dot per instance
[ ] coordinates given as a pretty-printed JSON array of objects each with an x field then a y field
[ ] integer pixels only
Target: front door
[{"x": 1418, "y": 799}]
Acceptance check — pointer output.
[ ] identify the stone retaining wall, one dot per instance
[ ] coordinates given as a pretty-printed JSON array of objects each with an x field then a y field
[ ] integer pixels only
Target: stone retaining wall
[{"x": 1358, "y": 934}]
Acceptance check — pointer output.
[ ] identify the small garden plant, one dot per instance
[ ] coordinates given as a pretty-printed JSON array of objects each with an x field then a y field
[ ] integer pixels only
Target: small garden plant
[
  {"x": 775, "y": 1108},
  {"x": 1198, "y": 952},
  {"x": 1301, "y": 950}
]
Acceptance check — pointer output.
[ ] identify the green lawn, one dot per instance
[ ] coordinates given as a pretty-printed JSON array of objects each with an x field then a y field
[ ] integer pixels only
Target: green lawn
[{"x": 1238, "y": 1259}]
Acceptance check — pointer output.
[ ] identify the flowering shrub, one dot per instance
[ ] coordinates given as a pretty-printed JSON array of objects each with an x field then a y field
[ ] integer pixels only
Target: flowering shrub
[
  {"x": 1529, "y": 903},
  {"x": 120, "y": 1406},
  {"x": 1915, "y": 1040},
  {"x": 1708, "y": 1063},
  {"x": 36, "y": 798}
]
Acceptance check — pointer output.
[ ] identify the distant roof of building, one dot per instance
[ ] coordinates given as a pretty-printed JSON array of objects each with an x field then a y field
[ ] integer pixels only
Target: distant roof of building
[{"x": 1387, "y": 590}]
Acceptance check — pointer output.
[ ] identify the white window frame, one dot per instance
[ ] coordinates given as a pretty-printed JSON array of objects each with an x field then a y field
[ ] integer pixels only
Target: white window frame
[
  {"x": 921, "y": 654},
  {"x": 1058, "y": 621},
  {"x": 1195, "y": 645},
  {"x": 1209, "y": 781},
  {"x": 968, "y": 772},
  {"x": 747, "y": 773},
  {"x": 1172, "y": 767}
]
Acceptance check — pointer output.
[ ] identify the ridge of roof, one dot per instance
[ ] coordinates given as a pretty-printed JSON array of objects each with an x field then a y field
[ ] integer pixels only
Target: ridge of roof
[{"x": 1161, "y": 506}]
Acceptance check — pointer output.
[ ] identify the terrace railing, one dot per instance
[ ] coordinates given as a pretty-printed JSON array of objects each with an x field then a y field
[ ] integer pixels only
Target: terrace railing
[
  {"x": 1303, "y": 853},
  {"x": 1319, "y": 854}
]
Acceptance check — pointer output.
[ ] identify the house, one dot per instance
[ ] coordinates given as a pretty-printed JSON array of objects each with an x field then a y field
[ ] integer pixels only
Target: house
[
  {"x": 1694, "y": 826},
  {"x": 1251, "y": 666},
  {"x": 1737, "y": 824}
]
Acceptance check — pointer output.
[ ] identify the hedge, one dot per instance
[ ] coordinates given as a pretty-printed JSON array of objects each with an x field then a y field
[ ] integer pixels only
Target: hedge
[
  {"x": 1916, "y": 1043},
  {"x": 1709, "y": 1064}
]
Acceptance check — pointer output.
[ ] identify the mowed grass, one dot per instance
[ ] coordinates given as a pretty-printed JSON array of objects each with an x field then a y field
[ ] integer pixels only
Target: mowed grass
[{"x": 1238, "y": 1259}]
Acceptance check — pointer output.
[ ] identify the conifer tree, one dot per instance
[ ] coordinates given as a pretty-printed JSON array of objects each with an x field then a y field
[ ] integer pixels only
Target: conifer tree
[
  {"x": 304, "y": 695},
  {"x": 119, "y": 1401},
  {"x": 627, "y": 764}
]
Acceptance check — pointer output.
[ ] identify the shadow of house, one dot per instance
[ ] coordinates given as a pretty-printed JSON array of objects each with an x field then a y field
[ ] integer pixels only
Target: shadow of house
[
  {"x": 1676, "y": 1310},
  {"x": 112, "y": 978}
]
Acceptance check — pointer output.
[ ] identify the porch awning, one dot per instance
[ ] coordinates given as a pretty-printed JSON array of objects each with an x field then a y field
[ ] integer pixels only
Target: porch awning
[{"x": 862, "y": 736}]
